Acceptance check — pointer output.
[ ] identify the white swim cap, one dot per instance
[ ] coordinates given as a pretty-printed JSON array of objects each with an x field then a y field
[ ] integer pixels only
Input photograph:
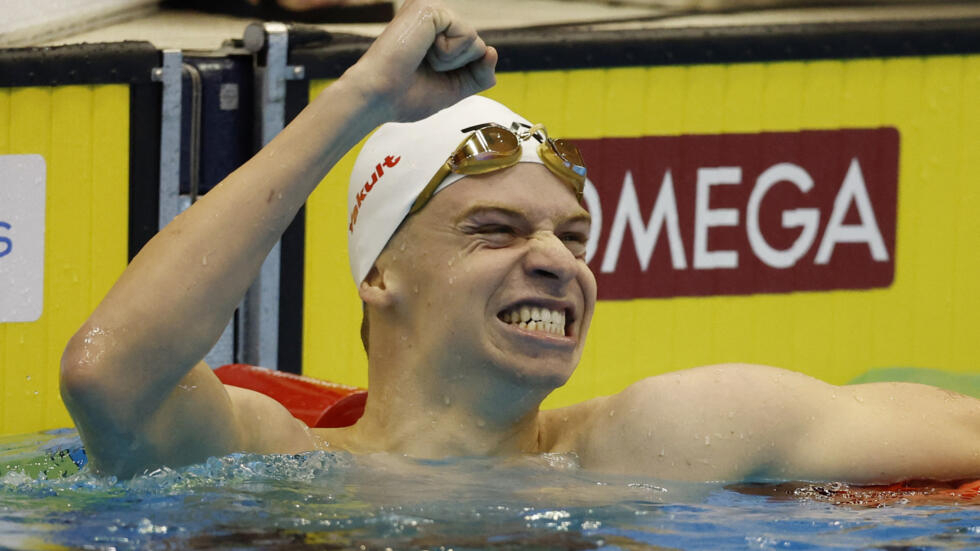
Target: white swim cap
[{"x": 398, "y": 161}]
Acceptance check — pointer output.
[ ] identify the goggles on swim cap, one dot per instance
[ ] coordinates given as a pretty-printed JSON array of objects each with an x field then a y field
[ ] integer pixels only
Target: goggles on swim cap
[
  {"x": 394, "y": 168},
  {"x": 490, "y": 147}
]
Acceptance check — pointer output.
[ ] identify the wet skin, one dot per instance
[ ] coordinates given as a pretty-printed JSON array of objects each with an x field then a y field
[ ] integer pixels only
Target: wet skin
[
  {"x": 132, "y": 376},
  {"x": 486, "y": 246},
  {"x": 450, "y": 374},
  {"x": 437, "y": 299}
]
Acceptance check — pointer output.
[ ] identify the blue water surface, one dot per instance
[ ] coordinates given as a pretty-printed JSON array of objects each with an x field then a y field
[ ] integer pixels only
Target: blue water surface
[{"x": 324, "y": 500}]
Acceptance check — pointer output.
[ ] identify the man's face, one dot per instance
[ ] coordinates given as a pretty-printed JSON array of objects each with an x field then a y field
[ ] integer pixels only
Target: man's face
[{"x": 491, "y": 274}]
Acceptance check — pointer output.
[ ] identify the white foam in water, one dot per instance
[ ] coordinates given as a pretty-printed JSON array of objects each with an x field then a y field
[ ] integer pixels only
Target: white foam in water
[{"x": 324, "y": 500}]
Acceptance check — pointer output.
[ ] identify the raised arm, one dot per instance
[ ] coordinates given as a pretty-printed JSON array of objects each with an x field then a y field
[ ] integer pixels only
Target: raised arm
[
  {"x": 749, "y": 422},
  {"x": 131, "y": 377}
]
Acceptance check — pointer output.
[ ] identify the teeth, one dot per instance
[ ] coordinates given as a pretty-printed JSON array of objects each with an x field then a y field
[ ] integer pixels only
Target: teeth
[{"x": 536, "y": 318}]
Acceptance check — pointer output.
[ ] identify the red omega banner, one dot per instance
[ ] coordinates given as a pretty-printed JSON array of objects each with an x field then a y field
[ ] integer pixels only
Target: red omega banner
[{"x": 733, "y": 214}]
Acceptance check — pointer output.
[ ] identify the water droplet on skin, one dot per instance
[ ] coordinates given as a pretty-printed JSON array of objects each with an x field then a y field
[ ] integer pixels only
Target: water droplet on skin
[
  {"x": 402, "y": 247},
  {"x": 452, "y": 280},
  {"x": 28, "y": 377},
  {"x": 279, "y": 195},
  {"x": 612, "y": 412},
  {"x": 707, "y": 440},
  {"x": 446, "y": 400},
  {"x": 858, "y": 399},
  {"x": 204, "y": 261},
  {"x": 481, "y": 423},
  {"x": 415, "y": 289}
]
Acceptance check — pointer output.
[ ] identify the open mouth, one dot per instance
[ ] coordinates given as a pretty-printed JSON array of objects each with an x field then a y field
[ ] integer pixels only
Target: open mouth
[{"x": 533, "y": 317}]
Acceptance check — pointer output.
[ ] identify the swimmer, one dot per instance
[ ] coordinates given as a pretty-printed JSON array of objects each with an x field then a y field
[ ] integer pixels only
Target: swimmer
[{"x": 455, "y": 369}]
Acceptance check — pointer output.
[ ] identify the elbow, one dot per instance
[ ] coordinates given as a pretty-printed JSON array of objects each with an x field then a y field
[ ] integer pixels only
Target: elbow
[{"x": 83, "y": 367}]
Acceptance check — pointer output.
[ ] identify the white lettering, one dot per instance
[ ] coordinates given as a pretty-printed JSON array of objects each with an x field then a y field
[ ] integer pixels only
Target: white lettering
[
  {"x": 705, "y": 217},
  {"x": 645, "y": 238},
  {"x": 853, "y": 190},
  {"x": 808, "y": 219}
]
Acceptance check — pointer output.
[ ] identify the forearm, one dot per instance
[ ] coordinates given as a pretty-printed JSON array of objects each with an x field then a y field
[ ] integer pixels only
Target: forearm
[
  {"x": 886, "y": 432},
  {"x": 748, "y": 422}
]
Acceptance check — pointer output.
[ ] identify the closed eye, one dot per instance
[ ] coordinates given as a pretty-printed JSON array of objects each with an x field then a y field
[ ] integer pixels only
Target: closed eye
[
  {"x": 575, "y": 242},
  {"x": 496, "y": 229}
]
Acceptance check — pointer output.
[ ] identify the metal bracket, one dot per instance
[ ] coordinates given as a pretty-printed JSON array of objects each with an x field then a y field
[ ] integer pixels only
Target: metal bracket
[
  {"x": 259, "y": 322},
  {"x": 273, "y": 39},
  {"x": 170, "y": 76}
]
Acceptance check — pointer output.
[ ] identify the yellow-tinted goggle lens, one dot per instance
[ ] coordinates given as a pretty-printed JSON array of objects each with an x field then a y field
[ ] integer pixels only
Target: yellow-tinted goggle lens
[
  {"x": 493, "y": 147},
  {"x": 565, "y": 161},
  {"x": 485, "y": 150}
]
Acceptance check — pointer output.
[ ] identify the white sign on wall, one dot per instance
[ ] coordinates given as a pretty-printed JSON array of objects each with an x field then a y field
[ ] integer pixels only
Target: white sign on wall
[{"x": 22, "y": 182}]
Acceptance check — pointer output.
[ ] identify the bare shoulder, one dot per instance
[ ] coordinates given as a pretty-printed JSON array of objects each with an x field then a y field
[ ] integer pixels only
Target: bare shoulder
[
  {"x": 268, "y": 425},
  {"x": 711, "y": 422},
  {"x": 697, "y": 390}
]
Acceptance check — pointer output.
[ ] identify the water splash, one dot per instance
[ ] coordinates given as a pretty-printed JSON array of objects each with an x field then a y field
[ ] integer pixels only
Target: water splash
[{"x": 326, "y": 500}]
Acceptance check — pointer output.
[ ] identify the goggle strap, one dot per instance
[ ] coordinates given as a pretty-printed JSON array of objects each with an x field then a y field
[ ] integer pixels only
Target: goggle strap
[{"x": 430, "y": 188}]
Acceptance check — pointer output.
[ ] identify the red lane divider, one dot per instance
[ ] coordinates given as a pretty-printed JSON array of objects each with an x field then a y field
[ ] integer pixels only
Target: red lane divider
[{"x": 317, "y": 403}]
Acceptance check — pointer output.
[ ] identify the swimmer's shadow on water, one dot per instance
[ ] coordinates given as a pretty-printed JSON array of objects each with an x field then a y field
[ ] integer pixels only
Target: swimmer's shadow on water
[{"x": 523, "y": 540}]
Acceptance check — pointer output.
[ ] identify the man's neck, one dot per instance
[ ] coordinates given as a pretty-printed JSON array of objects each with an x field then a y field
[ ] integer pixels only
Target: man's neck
[{"x": 472, "y": 413}]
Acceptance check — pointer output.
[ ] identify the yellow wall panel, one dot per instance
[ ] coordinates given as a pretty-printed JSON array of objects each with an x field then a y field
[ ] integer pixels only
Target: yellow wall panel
[
  {"x": 83, "y": 134},
  {"x": 822, "y": 94},
  {"x": 332, "y": 310},
  {"x": 926, "y": 318},
  {"x": 665, "y": 106},
  {"x": 25, "y": 344},
  {"x": 742, "y": 109},
  {"x": 704, "y": 100},
  {"x": 785, "y": 84},
  {"x": 964, "y": 266}
]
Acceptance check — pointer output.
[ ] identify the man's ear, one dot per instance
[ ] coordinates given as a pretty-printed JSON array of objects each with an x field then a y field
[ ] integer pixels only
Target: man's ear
[{"x": 375, "y": 291}]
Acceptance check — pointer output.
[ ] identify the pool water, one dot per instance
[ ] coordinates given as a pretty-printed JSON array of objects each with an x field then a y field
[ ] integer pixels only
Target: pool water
[{"x": 323, "y": 500}]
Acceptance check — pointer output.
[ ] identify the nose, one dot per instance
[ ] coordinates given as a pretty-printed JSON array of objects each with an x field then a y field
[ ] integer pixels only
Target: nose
[{"x": 548, "y": 258}]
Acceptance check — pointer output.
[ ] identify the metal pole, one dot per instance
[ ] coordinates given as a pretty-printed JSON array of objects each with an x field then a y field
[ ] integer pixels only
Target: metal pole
[
  {"x": 170, "y": 76},
  {"x": 259, "y": 320}
]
